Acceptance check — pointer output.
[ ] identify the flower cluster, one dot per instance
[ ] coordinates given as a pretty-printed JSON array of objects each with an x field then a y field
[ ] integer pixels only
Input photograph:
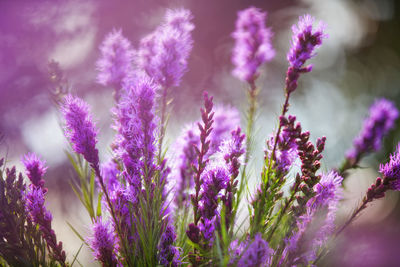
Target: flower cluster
[{"x": 293, "y": 213}]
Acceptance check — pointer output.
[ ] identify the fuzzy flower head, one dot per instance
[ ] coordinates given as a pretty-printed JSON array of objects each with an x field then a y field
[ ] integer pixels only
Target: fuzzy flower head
[
  {"x": 163, "y": 54},
  {"x": 256, "y": 254},
  {"x": 215, "y": 178},
  {"x": 391, "y": 170},
  {"x": 80, "y": 129},
  {"x": 35, "y": 169},
  {"x": 305, "y": 40},
  {"x": 252, "y": 44},
  {"x": 329, "y": 189},
  {"x": 382, "y": 116},
  {"x": 115, "y": 64},
  {"x": 168, "y": 254},
  {"x": 103, "y": 243}
]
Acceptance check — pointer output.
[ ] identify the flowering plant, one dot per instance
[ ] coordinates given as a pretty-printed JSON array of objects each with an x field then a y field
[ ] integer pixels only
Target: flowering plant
[{"x": 148, "y": 210}]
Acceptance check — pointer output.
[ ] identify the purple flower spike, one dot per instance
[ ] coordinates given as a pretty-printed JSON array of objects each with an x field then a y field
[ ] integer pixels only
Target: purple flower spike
[
  {"x": 103, "y": 243},
  {"x": 163, "y": 54},
  {"x": 256, "y": 254},
  {"x": 80, "y": 129},
  {"x": 382, "y": 116},
  {"x": 168, "y": 254},
  {"x": 214, "y": 179},
  {"x": 115, "y": 65},
  {"x": 252, "y": 44},
  {"x": 35, "y": 169},
  {"x": 305, "y": 40},
  {"x": 41, "y": 216},
  {"x": 391, "y": 170}
]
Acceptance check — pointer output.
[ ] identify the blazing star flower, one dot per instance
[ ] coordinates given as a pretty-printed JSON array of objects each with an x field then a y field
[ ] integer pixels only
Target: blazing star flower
[
  {"x": 103, "y": 243},
  {"x": 256, "y": 254},
  {"x": 168, "y": 255},
  {"x": 304, "y": 41},
  {"x": 110, "y": 173},
  {"x": 215, "y": 178},
  {"x": 115, "y": 65},
  {"x": 226, "y": 119},
  {"x": 40, "y": 215},
  {"x": 382, "y": 116},
  {"x": 391, "y": 170},
  {"x": 252, "y": 44},
  {"x": 80, "y": 129},
  {"x": 163, "y": 54},
  {"x": 35, "y": 169}
]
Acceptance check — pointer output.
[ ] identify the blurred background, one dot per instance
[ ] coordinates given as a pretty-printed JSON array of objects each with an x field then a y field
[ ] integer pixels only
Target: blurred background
[{"x": 357, "y": 63}]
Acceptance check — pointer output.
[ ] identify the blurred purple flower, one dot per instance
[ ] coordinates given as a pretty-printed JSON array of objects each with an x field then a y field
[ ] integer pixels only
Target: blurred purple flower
[
  {"x": 256, "y": 254},
  {"x": 163, "y": 54},
  {"x": 103, "y": 243},
  {"x": 382, "y": 116},
  {"x": 207, "y": 228},
  {"x": 80, "y": 129},
  {"x": 115, "y": 64},
  {"x": 252, "y": 44},
  {"x": 35, "y": 169},
  {"x": 168, "y": 255},
  {"x": 304, "y": 41},
  {"x": 226, "y": 119},
  {"x": 110, "y": 173}
]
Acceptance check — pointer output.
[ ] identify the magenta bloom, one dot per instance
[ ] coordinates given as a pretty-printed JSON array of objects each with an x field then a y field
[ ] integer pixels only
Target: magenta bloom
[
  {"x": 115, "y": 64},
  {"x": 391, "y": 170},
  {"x": 252, "y": 44},
  {"x": 35, "y": 169},
  {"x": 382, "y": 116},
  {"x": 256, "y": 254},
  {"x": 103, "y": 243},
  {"x": 80, "y": 129},
  {"x": 163, "y": 54},
  {"x": 304, "y": 41},
  {"x": 168, "y": 254}
]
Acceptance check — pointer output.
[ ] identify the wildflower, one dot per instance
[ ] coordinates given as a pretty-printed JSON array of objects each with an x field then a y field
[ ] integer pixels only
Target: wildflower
[
  {"x": 39, "y": 214},
  {"x": 163, "y": 54},
  {"x": 304, "y": 41},
  {"x": 115, "y": 65},
  {"x": 167, "y": 253},
  {"x": 256, "y": 254},
  {"x": 391, "y": 170},
  {"x": 103, "y": 243},
  {"x": 80, "y": 129},
  {"x": 382, "y": 116},
  {"x": 252, "y": 44},
  {"x": 35, "y": 169}
]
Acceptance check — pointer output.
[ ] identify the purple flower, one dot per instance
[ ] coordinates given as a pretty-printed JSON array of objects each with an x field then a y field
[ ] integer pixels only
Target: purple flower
[
  {"x": 256, "y": 254},
  {"x": 252, "y": 44},
  {"x": 226, "y": 119},
  {"x": 115, "y": 65},
  {"x": 35, "y": 169},
  {"x": 168, "y": 255},
  {"x": 391, "y": 170},
  {"x": 328, "y": 191},
  {"x": 382, "y": 116},
  {"x": 80, "y": 129},
  {"x": 110, "y": 173},
  {"x": 207, "y": 228},
  {"x": 214, "y": 179},
  {"x": 304, "y": 41},
  {"x": 163, "y": 54},
  {"x": 103, "y": 243},
  {"x": 235, "y": 251},
  {"x": 34, "y": 201},
  {"x": 186, "y": 157}
]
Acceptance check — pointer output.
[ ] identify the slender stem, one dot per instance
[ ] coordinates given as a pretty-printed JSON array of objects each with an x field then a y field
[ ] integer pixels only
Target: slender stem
[{"x": 162, "y": 122}]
